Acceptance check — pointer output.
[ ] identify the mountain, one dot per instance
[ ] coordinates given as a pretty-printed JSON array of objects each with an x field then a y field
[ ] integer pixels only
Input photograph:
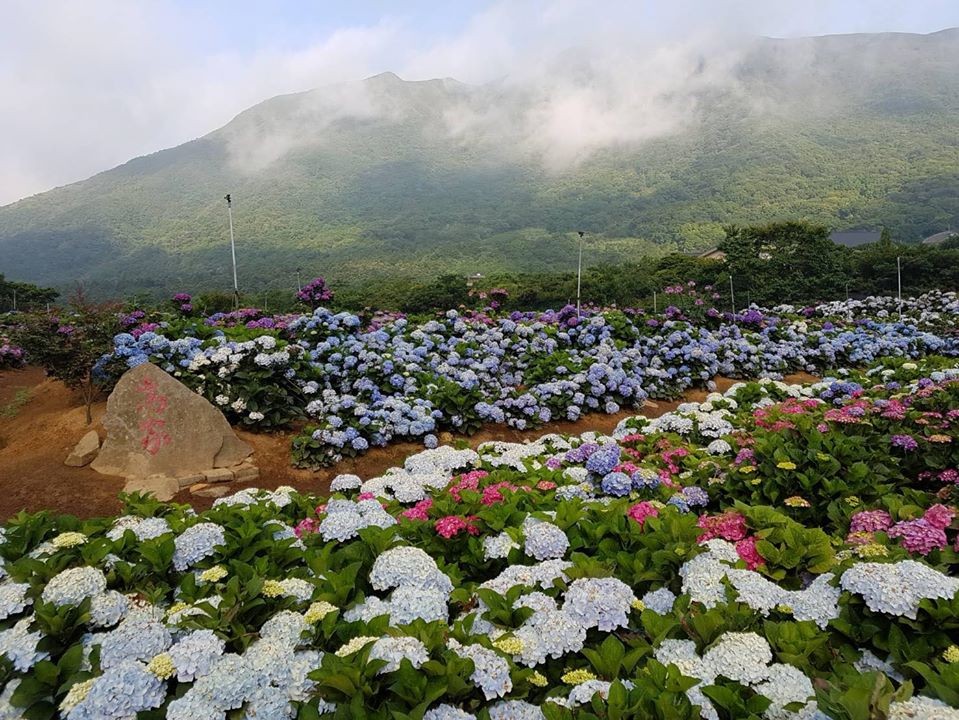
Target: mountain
[{"x": 386, "y": 178}]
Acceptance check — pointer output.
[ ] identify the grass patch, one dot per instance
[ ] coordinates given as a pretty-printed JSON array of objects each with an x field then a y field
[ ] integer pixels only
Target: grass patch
[{"x": 11, "y": 409}]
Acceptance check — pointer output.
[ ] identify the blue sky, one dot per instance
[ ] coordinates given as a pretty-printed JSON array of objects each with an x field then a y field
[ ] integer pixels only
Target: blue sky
[{"x": 88, "y": 85}]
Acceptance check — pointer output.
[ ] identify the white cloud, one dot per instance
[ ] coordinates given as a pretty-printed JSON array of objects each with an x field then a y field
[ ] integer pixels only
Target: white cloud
[{"x": 88, "y": 85}]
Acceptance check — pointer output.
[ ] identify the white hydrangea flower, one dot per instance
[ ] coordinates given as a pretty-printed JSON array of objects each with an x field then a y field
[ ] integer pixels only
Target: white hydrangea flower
[
  {"x": 742, "y": 657},
  {"x": 549, "y": 633},
  {"x": 108, "y": 608},
  {"x": 345, "y": 482},
  {"x": 602, "y": 603},
  {"x": 394, "y": 649},
  {"x": 898, "y": 588},
  {"x": 496, "y": 547},
  {"x": 195, "y": 654},
  {"x": 490, "y": 671},
  {"x": 196, "y": 543},
  {"x": 120, "y": 693},
  {"x": 72, "y": 586},
  {"x": 542, "y": 574},
  {"x": 544, "y": 540},
  {"x": 659, "y": 601},
  {"x": 515, "y": 710},
  {"x": 19, "y": 645},
  {"x": 407, "y": 565},
  {"x": 13, "y": 598},
  {"x": 921, "y": 708},
  {"x": 133, "y": 639},
  {"x": 447, "y": 712},
  {"x": 143, "y": 528}
]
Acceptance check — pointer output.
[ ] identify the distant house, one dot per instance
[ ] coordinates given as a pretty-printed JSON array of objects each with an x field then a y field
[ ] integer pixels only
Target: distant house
[
  {"x": 855, "y": 238},
  {"x": 713, "y": 254},
  {"x": 471, "y": 279},
  {"x": 940, "y": 237}
]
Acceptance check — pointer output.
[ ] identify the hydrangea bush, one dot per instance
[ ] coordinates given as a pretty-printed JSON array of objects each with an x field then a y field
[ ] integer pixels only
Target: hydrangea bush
[
  {"x": 365, "y": 384},
  {"x": 728, "y": 560}
]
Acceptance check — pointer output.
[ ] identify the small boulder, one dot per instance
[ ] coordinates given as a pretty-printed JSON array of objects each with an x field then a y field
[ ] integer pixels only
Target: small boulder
[
  {"x": 85, "y": 451},
  {"x": 156, "y": 425}
]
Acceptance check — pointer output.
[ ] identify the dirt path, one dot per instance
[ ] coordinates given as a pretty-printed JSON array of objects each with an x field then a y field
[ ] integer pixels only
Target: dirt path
[{"x": 41, "y": 421}]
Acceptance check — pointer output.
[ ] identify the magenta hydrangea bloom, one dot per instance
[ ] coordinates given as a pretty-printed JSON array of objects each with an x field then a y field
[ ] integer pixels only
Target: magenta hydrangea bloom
[
  {"x": 870, "y": 521},
  {"x": 939, "y": 516},
  {"x": 640, "y": 511},
  {"x": 918, "y": 536}
]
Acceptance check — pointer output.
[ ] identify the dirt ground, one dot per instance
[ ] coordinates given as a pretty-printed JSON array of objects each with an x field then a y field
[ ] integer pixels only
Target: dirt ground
[{"x": 41, "y": 421}]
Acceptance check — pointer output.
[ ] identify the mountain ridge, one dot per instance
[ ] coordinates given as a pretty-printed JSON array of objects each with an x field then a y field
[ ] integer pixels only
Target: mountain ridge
[{"x": 390, "y": 177}]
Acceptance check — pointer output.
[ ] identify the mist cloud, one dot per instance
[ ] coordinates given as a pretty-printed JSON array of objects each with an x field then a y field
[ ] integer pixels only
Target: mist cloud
[{"x": 89, "y": 85}]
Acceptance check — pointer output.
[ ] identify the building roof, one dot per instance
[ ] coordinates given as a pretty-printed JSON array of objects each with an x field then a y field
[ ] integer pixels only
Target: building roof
[
  {"x": 855, "y": 238},
  {"x": 711, "y": 252},
  {"x": 939, "y": 237}
]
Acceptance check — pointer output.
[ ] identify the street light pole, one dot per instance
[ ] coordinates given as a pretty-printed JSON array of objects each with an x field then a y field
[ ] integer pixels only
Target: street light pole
[
  {"x": 236, "y": 287},
  {"x": 579, "y": 272}
]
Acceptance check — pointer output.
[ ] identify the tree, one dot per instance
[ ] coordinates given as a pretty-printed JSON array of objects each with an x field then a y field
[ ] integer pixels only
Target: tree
[
  {"x": 785, "y": 262},
  {"x": 68, "y": 343}
]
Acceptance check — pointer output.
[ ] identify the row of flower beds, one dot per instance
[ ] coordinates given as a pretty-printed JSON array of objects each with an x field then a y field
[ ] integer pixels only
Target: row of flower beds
[
  {"x": 774, "y": 552},
  {"x": 360, "y": 385}
]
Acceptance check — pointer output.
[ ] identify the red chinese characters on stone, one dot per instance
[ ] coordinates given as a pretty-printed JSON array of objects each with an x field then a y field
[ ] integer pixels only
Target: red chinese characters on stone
[{"x": 151, "y": 409}]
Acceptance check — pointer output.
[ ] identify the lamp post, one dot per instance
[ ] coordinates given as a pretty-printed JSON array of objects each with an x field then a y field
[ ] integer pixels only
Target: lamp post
[
  {"x": 236, "y": 287},
  {"x": 579, "y": 272}
]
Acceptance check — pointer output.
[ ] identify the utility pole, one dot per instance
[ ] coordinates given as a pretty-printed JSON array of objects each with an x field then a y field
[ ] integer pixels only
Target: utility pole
[
  {"x": 655, "y": 308},
  {"x": 236, "y": 287},
  {"x": 899, "y": 284},
  {"x": 579, "y": 272},
  {"x": 299, "y": 287},
  {"x": 732, "y": 296}
]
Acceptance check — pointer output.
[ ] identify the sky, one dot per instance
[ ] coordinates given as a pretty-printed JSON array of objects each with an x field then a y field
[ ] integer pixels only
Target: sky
[{"x": 86, "y": 85}]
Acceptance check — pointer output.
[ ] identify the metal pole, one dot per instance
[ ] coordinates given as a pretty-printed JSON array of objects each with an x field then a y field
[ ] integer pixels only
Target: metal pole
[
  {"x": 655, "y": 308},
  {"x": 899, "y": 283},
  {"x": 732, "y": 295},
  {"x": 236, "y": 287},
  {"x": 14, "y": 299},
  {"x": 299, "y": 287},
  {"x": 847, "y": 292},
  {"x": 579, "y": 272}
]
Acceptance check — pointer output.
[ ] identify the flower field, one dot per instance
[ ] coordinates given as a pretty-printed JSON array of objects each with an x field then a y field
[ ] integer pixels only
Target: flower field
[
  {"x": 776, "y": 551},
  {"x": 365, "y": 382}
]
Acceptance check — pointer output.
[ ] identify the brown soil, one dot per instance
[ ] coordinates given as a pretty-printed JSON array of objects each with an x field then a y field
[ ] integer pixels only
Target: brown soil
[{"x": 35, "y": 441}]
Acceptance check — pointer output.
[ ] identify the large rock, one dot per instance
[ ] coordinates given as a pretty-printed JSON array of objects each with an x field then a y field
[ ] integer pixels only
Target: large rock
[
  {"x": 85, "y": 450},
  {"x": 156, "y": 425}
]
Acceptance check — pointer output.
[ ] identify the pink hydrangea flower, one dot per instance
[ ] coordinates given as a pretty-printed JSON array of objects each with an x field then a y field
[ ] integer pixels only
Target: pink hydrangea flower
[
  {"x": 728, "y": 526},
  {"x": 420, "y": 511},
  {"x": 467, "y": 481},
  {"x": 870, "y": 521},
  {"x": 939, "y": 516},
  {"x": 546, "y": 485},
  {"x": 919, "y": 536},
  {"x": 746, "y": 549},
  {"x": 306, "y": 526},
  {"x": 453, "y": 525},
  {"x": 642, "y": 510},
  {"x": 366, "y": 496}
]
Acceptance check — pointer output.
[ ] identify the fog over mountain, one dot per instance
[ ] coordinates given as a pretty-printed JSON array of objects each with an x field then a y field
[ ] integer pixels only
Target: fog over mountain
[{"x": 646, "y": 150}]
